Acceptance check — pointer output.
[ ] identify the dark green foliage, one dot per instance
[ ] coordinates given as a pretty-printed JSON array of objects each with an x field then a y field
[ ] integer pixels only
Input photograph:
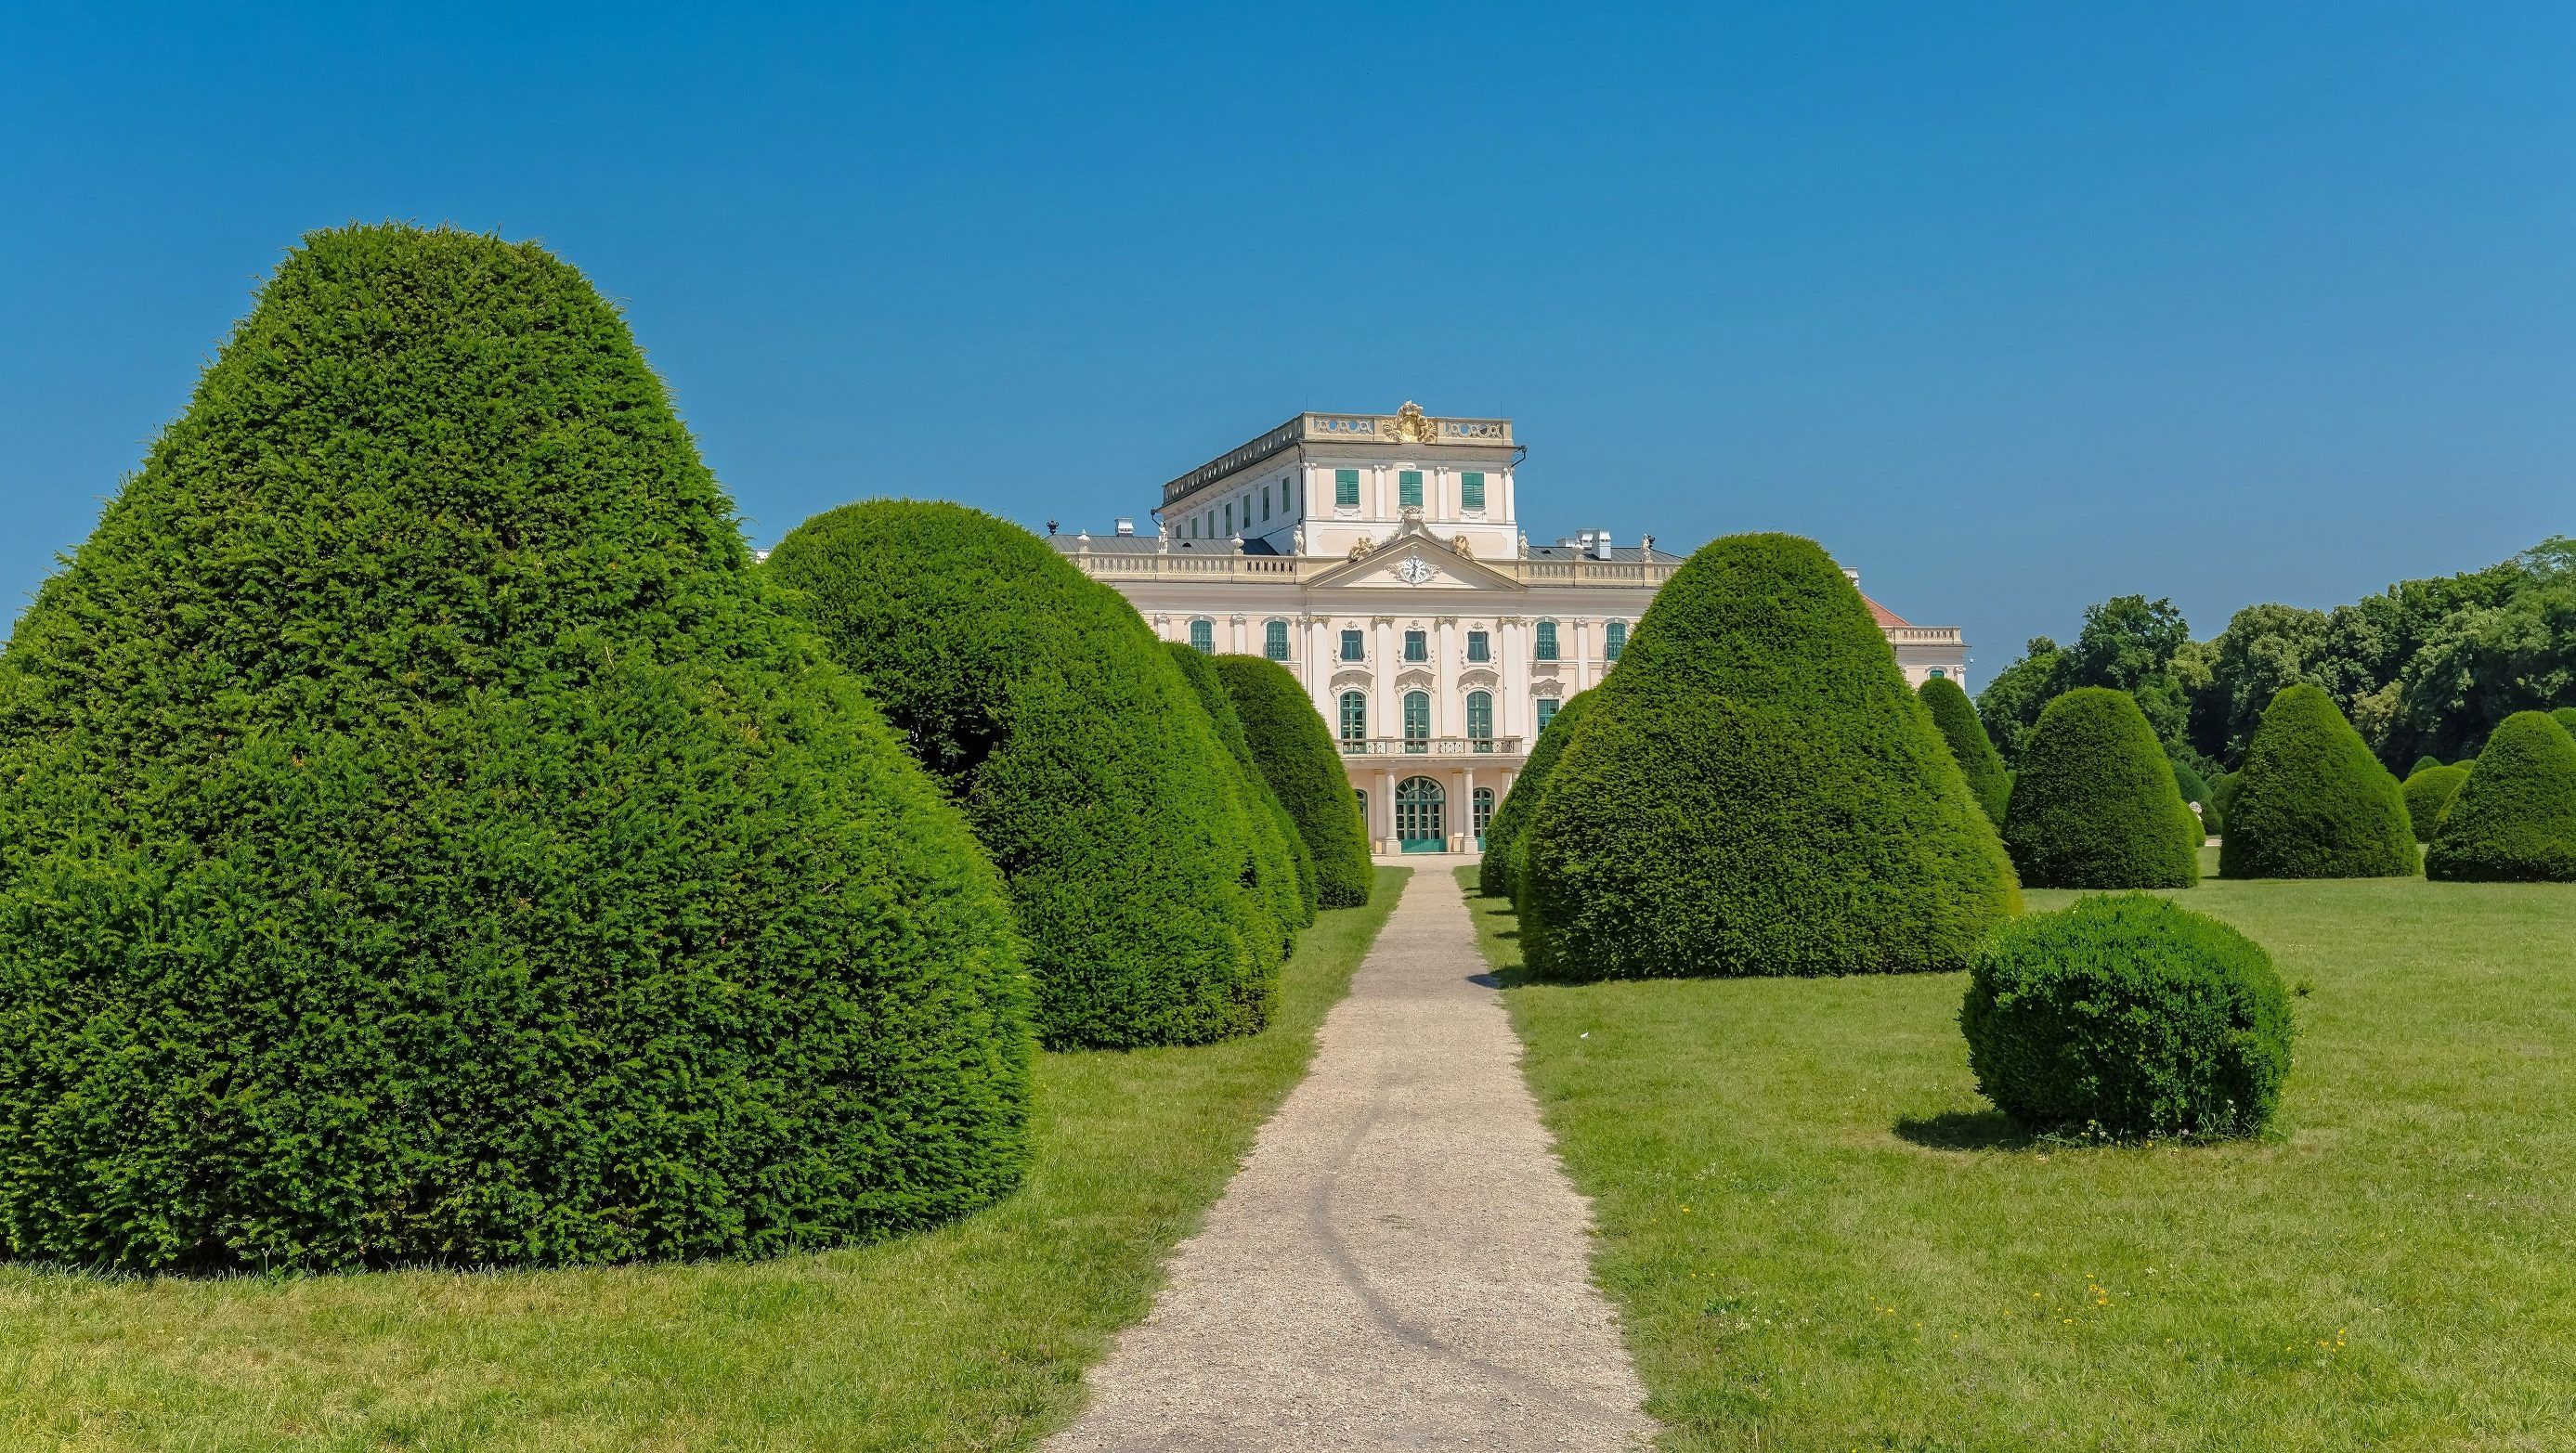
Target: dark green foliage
[
  {"x": 1498, "y": 871},
  {"x": 2209, "y": 822},
  {"x": 1956, "y": 719},
  {"x": 1295, "y": 753},
  {"x": 2129, "y": 643},
  {"x": 427, "y": 840},
  {"x": 1281, "y": 863},
  {"x": 2095, "y": 805},
  {"x": 2429, "y": 790},
  {"x": 2312, "y": 802},
  {"x": 2222, "y": 795},
  {"x": 1756, "y": 791},
  {"x": 2128, "y": 1015},
  {"x": 2427, "y": 760},
  {"x": 2514, "y": 820},
  {"x": 1085, "y": 764},
  {"x": 2565, "y": 716}
]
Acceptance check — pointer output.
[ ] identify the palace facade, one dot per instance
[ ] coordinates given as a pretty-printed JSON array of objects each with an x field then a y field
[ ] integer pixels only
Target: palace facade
[{"x": 1380, "y": 559}]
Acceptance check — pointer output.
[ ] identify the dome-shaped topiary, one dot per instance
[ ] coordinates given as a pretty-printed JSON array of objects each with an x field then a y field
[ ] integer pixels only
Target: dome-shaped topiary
[
  {"x": 427, "y": 840},
  {"x": 2208, "y": 822},
  {"x": 1956, "y": 718},
  {"x": 2565, "y": 716},
  {"x": 1756, "y": 791},
  {"x": 1297, "y": 757},
  {"x": 1498, "y": 871},
  {"x": 2514, "y": 820},
  {"x": 2429, "y": 791},
  {"x": 1281, "y": 864},
  {"x": 2312, "y": 802},
  {"x": 2094, "y": 804},
  {"x": 1086, "y": 767},
  {"x": 2422, "y": 762},
  {"x": 2127, "y": 1015}
]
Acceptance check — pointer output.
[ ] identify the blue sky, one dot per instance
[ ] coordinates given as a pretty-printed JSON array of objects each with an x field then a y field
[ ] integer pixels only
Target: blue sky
[{"x": 2013, "y": 306}]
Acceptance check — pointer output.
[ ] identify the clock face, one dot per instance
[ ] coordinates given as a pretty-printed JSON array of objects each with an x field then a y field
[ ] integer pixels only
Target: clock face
[{"x": 1414, "y": 570}]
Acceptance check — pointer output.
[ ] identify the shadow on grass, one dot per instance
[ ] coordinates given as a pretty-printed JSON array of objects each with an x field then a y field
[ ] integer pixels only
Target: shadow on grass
[{"x": 1965, "y": 1130}]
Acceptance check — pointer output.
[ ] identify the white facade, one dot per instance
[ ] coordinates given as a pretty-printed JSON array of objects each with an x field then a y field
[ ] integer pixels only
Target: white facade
[{"x": 1379, "y": 558}]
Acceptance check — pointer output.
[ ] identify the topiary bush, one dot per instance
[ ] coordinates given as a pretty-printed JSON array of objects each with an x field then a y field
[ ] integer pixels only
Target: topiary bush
[
  {"x": 2422, "y": 762},
  {"x": 2094, "y": 804},
  {"x": 1281, "y": 865},
  {"x": 2128, "y": 1015},
  {"x": 2209, "y": 822},
  {"x": 1956, "y": 718},
  {"x": 1498, "y": 871},
  {"x": 1756, "y": 791},
  {"x": 1085, "y": 765},
  {"x": 2565, "y": 716},
  {"x": 2429, "y": 791},
  {"x": 2312, "y": 802},
  {"x": 1296, "y": 755},
  {"x": 427, "y": 841},
  {"x": 2514, "y": 820}
]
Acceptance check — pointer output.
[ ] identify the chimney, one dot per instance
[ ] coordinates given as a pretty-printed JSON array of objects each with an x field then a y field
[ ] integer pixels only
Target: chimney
[
  {"x": 1126, "y": 527},
  {"x": 1600, "y": 541}
]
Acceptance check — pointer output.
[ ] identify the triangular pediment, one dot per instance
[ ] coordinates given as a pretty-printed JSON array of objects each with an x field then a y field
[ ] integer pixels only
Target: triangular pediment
[{"x": 1414, "y": 559}]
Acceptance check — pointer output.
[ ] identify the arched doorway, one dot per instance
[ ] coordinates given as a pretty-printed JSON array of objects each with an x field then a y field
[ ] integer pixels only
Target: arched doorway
[{"x": 1418, "y": 828}]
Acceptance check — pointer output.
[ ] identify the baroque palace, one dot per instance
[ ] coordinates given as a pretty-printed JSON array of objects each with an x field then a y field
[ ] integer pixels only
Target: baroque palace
[{"x": 1379, "y": 558}]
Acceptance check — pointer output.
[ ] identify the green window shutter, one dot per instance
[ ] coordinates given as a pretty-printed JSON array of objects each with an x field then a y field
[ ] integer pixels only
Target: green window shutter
[
  {"x": 1417, "y": 719},
  {"x": 1354, "y": 648},
  {"x": 1547, "y": 640},
  {"x": 1479, "y": 648},
  {"x": 1546, "y": 711},
  {"x": 1274, "y": 640},
  {"x": 1408, "y": 488},
  {"x": 1480, "y": 718},
  {"x": 1346, "y": 489},
  {"x": 1203, "y": 637},
  {"x": 1354, "y": 716},
  {"x": 1471, "y": 490},
  {"x": 1614, "y": 639}
]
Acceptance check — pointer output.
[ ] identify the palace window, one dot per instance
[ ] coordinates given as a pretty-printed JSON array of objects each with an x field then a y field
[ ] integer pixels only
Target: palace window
[
  {"x": 1546, "y": 711},
  {"x": 1417, "y": 645},
  {"x": 1937, "y": 672},
  {"x": 1546, "y": 640},
  {"x": 1614, "y": 639},
  {"x": 1417, "y": 721},
  {"x": 1265, "y": 501},
  {"x": 1354, "y": 718},
  {"x": 1346, "y": 489},
  {"x": 1274, "y": 640},
  {"x": 1471, "y": 490},
  {"x": 1203, "y": 637},
  {"x": 1481, "y": 805},
  {"x": 1354, "y": 646},
  {"x": 1229, "y": 519},
  {"x": 1408, "y": 488},
  {"x": 1478, "y": 648},
  {"x": 1480, "y": 720}
]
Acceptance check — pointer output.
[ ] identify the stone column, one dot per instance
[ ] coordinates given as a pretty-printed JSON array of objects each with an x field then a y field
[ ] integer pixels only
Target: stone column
[
  {"x": 1464, "y": 838},
  {"x": 1386, "y": 717},
  {"x": 1382, "y": 808},
  {"x": 1582, "y": 654},
  {"x": 1511, "y": 712},
  {"x": 1448, "y": 714}
]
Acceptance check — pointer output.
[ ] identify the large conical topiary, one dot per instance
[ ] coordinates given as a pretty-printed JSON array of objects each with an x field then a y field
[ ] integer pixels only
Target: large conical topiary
[
  {"x": 2514, "y": 820},
  {"x": 426, "y": 841},
  {"x": 1956, "y": 718},
  {"x": 2094, "y": 804},
  {"x": 1280, "y": 861},
  {"x": 2429, "y": 793},
  {"x": 1756, "y": 791},
  {"x": 1498, "y": 871},
  {"x": 1296, "y": 755},
  {"x": 1084, "y": 763},
  {"x": 2311, "y": 801}
]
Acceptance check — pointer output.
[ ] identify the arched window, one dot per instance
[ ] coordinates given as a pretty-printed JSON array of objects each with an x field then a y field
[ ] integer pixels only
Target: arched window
[
  {"x": 1203, "y": 637},
  {"x": 1480, "y": 720},
  {"x": 1354, "y": 718},
  {"x": 1614, "y": 639},
  {"x": 1417, "y": 721},
  {"x": 1481, "y": 813},
  {"x": 1274, "y": 640},
  {"x": 1547, "y": 640},
  {"x": 1418, "y": 827}
]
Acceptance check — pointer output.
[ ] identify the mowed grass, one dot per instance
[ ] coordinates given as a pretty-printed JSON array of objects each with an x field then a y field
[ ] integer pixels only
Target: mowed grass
[
  {"x": 1821, "y": 1237},
  {"x": 972, "y": 1337}
]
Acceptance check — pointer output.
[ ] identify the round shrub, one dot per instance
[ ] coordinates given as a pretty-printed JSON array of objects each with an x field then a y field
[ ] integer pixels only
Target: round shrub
[
  {"x": 1296, "y": 755},
  {"x": 428, "y": 840},
  {"x": 1498, "y": 871},
  {"x": 2127, "y": 1015},
  {"x": 1044, "y": 704},
  {"x": 2429, "y": 791},
  {"x": 2312, "y": 802},
  {"x": 1756, "y": 791},
  {"x": 2222, "y": 796},
  {"x": 2422, "y": 762},
  {"x": 2209, "y": 822},
  {"x": 1282, "y": 867},
  {"x": 2514, "y": 820},
  {"x": 1956, "y": 718},
  {"x": 2565, "y": 716},
  {"x": 2094, "y": 804}
]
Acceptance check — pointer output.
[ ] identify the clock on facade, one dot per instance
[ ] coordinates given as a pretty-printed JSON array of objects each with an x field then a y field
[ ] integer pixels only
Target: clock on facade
[{"x": 1414, "y": 570}]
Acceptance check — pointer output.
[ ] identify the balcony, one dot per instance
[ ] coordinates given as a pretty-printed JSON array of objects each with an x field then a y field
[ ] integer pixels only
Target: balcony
[{"x": 1431, "y": 747}]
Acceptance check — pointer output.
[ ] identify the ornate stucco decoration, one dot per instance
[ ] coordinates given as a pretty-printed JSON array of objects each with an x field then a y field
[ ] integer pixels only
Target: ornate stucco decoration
[
  {"x": 1409, "y": 427},
  {"x": 1458, "y": 544},
  {"x": 1361, "y": 547}
]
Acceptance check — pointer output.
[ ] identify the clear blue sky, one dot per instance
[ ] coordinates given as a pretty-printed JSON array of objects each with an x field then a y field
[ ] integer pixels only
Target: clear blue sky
[{"x": 2014, "y": 307}]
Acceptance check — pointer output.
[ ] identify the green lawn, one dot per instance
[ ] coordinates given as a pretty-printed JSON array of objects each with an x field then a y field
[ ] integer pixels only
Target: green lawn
[
  {"x": 1822, "y": 1238},
  {"x": 972, "y": 1337}
]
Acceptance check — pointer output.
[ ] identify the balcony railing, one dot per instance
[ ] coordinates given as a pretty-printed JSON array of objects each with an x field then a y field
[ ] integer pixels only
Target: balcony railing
[{"x": 1431, "y": 746}]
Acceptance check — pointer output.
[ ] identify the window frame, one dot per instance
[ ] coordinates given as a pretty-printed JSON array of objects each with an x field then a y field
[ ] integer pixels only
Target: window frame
[
  {"x": 1408, "y": 489},
  {"x": 1614, "y": 639},
  {"x": 1354, "y": 644},
  {"x": 1471, "y": 491},
  {"x": 1354, "y": 709},
  {"x": 1543, "y": 642},
  {"x": 1544, "y": 709},
  {"x": 1203, "y": 636},
  {"x": 1480, "y": 646},
  {"x": 1346, "y": 489},
  {"x": 1480, "y": 704},
  {"x": 1417, "y": 741},
  {"x": 1417, "y": 645},
  {"x": 1274, "y": 639}
]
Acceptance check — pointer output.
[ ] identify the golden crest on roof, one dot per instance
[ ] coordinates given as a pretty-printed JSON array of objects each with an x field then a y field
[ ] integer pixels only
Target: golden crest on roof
[{"x": 1409, "y": 427}]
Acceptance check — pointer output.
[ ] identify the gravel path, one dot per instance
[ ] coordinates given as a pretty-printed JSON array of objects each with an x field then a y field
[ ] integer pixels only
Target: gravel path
[{"x": 1400, "y": 1263}]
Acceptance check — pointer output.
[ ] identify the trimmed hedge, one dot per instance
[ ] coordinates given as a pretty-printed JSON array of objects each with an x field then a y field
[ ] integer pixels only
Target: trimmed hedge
[
  {"x": 2209, "y": 822},
  {"x": 1955, "y": 716},
  {"x": 1296, "y": 755},
  {"x": 2422, "y": 762},
  {"x": 1084, "y": 763},
  {"x": 2095, "y": 805},
  {"x": 2429, "y": 791},
  {"x": 1756, "y": 791},
  {"x": 2514, "y": 820},
  {"x": 2565, "y": 716},
  {"x": 1498, "y": 871},
  {"x": 1282, "y": 866},
  {"x": 2128, "y": 1015},
  {"x": 428, "y": 841},
  {"x": 2312, "y": 802}
]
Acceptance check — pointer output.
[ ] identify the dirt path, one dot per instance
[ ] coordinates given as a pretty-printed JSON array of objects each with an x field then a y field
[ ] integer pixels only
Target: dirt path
[{"x": 1401, "y": 1262}]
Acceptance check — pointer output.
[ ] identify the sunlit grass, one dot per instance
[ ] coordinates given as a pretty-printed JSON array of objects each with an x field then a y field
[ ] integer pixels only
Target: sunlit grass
[
  {"x": 972, "y": 1337},
  {"x": 1821, "y": 1237}
]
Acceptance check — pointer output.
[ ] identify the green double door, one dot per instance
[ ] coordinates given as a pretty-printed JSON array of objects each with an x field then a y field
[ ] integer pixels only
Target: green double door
[{"x": 1419, "y": 816}]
